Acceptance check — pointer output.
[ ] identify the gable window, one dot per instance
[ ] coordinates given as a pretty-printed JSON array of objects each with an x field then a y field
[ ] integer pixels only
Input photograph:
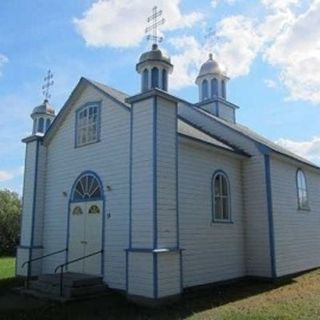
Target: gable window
[
  {"x": 302, "y": 190},
  {"x": 221, "y": 197},
  {"x": 87, "y": 124}
]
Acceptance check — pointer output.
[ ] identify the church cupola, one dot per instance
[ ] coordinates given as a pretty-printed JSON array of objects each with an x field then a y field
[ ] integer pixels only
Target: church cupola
[
  {"x": 154, "y": 68},
  {"x": 211, "y": 81},
  {"x": 42, "y": 117},
  {"x": 44, "y": 114}
]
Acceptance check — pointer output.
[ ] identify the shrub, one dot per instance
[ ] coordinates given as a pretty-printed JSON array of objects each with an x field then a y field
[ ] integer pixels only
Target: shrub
[{"x": 10, "y": 212}]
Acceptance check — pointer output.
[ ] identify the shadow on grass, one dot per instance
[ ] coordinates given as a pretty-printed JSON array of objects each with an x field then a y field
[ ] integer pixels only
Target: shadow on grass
[{"x": 115, "y": 305}]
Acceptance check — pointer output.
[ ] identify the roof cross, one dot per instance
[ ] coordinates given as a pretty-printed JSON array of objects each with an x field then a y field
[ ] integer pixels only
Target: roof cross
[
  {"x": 48, "y": 82},
  {"x": 152, "y": 30}
]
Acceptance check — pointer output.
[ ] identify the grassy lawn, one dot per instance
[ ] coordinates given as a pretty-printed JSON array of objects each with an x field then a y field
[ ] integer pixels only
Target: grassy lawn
[
  {"x": 294, "y": 299},
  {"x": 7, "y": 267}
]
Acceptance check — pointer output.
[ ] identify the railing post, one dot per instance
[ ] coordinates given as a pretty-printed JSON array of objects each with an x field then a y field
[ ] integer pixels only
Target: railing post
[
  {"x": 61, "y": 281},
  {"x": 28, "y": 275}
]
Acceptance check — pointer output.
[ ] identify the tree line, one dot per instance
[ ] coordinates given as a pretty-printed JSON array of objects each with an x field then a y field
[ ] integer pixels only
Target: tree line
[{"x": 10, "y": 219}]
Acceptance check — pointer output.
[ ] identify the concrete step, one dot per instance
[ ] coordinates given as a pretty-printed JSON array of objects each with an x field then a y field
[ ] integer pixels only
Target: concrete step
[
  {"x": 75, "y": 285},
  {"x": 71, "y": 279}
]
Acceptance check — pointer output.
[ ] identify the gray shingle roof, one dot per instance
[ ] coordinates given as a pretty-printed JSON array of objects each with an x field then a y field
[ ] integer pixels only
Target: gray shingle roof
[{"x": 258, "y": 138}]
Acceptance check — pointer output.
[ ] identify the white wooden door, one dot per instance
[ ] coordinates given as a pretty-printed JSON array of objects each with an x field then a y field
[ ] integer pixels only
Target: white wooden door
[
  {"x": 85, "y": 236},
  {"x": 76, "y": 236},
  {"x": 93, "y": 237}
]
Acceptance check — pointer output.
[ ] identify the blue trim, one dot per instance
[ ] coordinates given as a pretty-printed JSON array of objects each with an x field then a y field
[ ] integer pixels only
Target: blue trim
[
  {"x": 127, "y": 270},
  {"x": 229, "y": 220},
  {"x": 78, "y": 110},
  {"x": 34, "y": 204},
  {"x": 155, "y": 200},
  {"x": 217, "y": 109},
  {"x": 270, "y": 214},
  {"x": 130, "y": 176},
  {"x": 177, "y": 179},
  {"x": 103, "y": 199},
  {"x": 155, "y": 275},
  {"x": 130, "y": 197}
]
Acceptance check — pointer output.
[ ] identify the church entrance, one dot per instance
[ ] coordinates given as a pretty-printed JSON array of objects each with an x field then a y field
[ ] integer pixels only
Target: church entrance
[{"x": 85, "y": 225}]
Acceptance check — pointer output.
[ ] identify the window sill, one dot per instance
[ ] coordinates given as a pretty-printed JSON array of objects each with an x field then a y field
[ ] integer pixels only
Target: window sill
[
  {"x": 86, "y": 144},
  {"x": 304, "y": 209},
  {"x": 221, "y": 222}
]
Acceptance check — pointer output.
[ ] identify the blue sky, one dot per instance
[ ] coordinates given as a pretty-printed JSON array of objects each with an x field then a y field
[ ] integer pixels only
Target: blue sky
[{"x": 269, "y": 48}]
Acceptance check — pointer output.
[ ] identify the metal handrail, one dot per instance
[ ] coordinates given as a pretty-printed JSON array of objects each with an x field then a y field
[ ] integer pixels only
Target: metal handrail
[
  {"x": 61, "y": 266},
  {"x": 36, "y": 259}
]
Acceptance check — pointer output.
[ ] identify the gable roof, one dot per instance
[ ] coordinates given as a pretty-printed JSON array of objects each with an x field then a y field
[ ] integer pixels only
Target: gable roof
[{"x": 243, "y": 130}]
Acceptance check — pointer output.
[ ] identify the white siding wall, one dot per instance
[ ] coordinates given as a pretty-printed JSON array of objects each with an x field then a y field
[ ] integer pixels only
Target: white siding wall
[
  {"x": 28, "y": 188},
  {"x": 169, "y": 274},
  {"x": 109, "y": 159},
  {"x": 255, "y": 195},
  {"x": 226, "y": 112},
  {"x": 297, "y": 233},
  {"x": 166, "y": 174},
  {"x": 213, "y": 252},
  {"x": 256, "y": 218},
  {"x": 142, "y": 175},
  {"x": 141, "y": 274}
]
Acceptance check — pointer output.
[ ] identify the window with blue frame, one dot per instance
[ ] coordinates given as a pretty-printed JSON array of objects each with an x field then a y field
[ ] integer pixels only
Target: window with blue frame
[
  {"x": 87, "y": 124},
  {"x": 87, "y": 188},
  {"x": 221, "y": 197},
  {"x": 302, "y": 192}
]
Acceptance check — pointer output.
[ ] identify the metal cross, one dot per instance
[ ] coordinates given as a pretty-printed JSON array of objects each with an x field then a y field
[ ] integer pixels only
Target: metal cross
[
  {"x": 155, "y": 23},
  {"x": 48, "y": 82}
]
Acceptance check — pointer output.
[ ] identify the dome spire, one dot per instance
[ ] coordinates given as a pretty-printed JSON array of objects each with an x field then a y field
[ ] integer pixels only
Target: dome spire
[
  {"x": 44, "y": 114},
  {"x": 153, "y": 66}
]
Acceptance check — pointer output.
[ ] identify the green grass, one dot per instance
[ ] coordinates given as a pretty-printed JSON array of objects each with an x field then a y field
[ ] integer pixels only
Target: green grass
[
  {"x": 7, "y": 267},
  {"x": 294, "y": 299}
]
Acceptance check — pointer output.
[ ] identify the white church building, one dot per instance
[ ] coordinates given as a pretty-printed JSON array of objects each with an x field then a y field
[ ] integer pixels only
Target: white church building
[{"x": 156, "y": 194}]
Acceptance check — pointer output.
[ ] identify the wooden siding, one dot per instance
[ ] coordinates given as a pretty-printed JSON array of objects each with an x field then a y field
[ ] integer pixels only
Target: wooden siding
[
  {"x": 213, "y": 251},
  {"x": 297, "y": 233},
  {"x": 255, "y": 194},
  {"x": 109, "y": 159}
]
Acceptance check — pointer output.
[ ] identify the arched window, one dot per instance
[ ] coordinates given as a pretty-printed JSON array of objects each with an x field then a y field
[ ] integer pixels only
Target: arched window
[
  {"x": 302, "y": 190},
  {"x": 214, "y": 88},
  {"x": 41, "y": 125},
  {"x": 223, "y": 88},
  {"x": 221, "y": 197},
  {"x": 155, "y": 77},
  {"x": 87, "y": 188},
  {"x": 47, "y": 124},
  {"x": 205, "y": 91},
  {"x": 145, "y": 80},
  {"x": 35, "y": 125},
  {"x": 164, "y": 79}
]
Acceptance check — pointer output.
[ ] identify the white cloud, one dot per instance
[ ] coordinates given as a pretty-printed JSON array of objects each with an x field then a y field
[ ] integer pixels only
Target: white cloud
[
  {"x": 239, "y": 44},
  {"x": 296, "y": 51},
  {"x": 235, "y": 51},
  {"x": 307, "y": 149},
  {"x": 270, "y": 83},
  {"x": 279, "y": 4},
  {"x": 3, "y": 60},
  {"x": 6, "y": 175},
  {"x": 121, "y": 23}
]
